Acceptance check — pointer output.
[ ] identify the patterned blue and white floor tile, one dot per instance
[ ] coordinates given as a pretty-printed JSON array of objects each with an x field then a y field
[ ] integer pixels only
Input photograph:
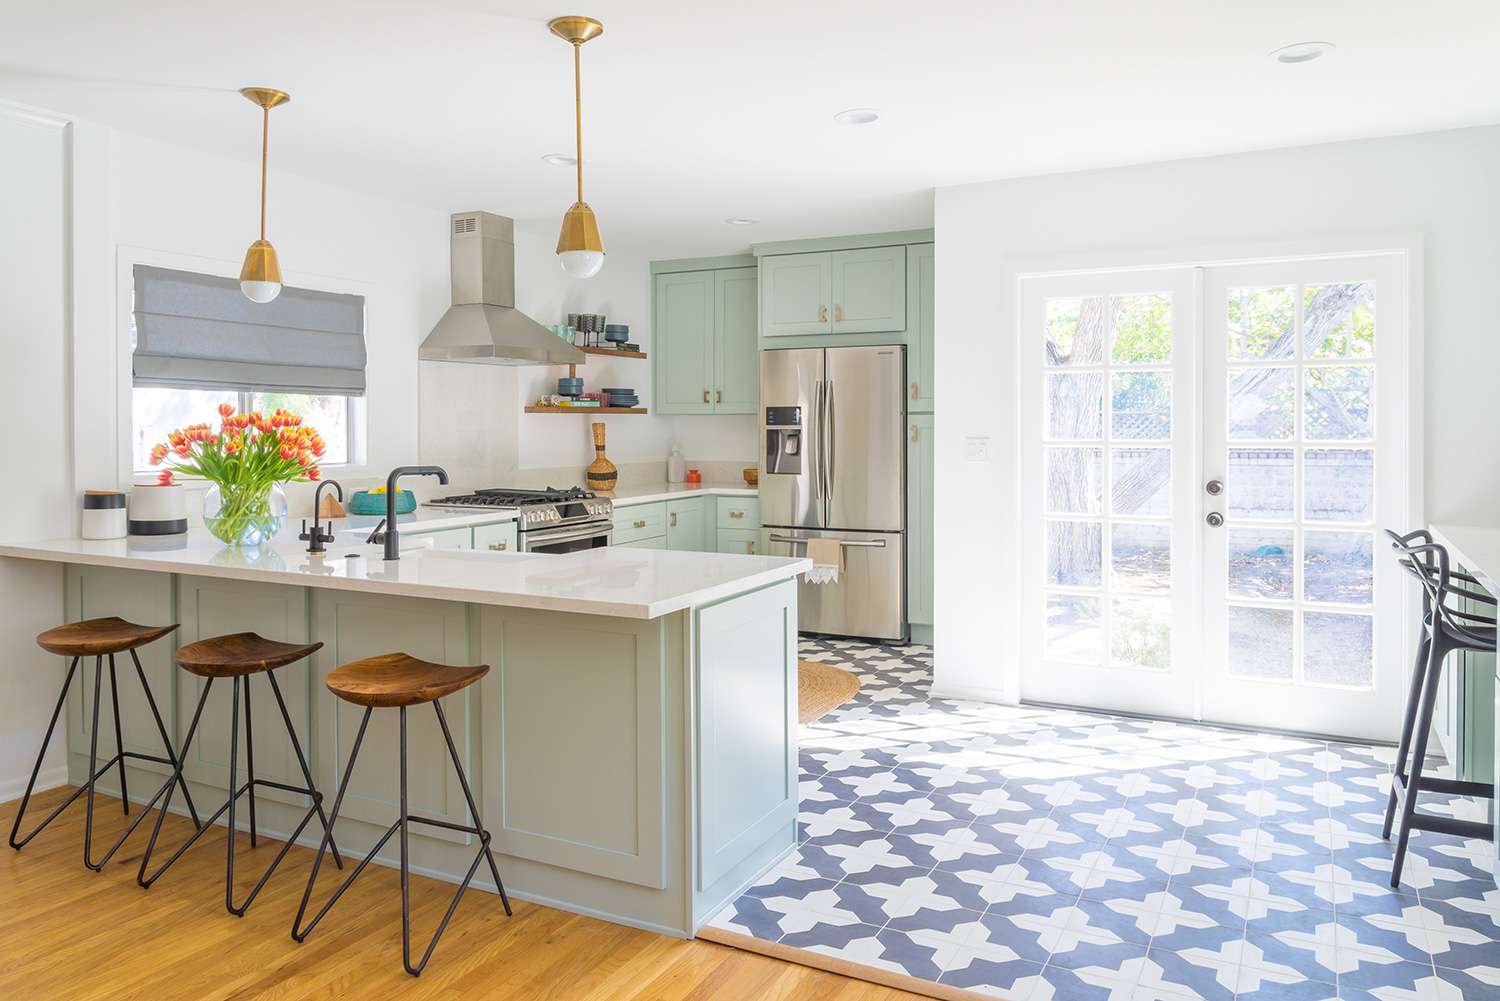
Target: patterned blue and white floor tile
[{"x": 1049, "y": 855}]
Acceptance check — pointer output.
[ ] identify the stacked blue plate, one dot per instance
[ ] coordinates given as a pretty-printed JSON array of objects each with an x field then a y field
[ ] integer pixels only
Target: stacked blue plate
[{"x": 618, "y": 397}]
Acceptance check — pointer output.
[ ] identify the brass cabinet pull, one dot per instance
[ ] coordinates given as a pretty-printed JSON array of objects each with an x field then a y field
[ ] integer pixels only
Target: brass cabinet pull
[
  {"x": 497, "y": 547},
  {"x": 705, "y": 396},
  {"x": 822, "y": 313},
  {"x": 913, "y": 434},
  {"x": 914, "y": 390},
  {"x": 736, "y": 514},
  {"x": 749, "y": 547},
  {"x": 640, "y": 524},
  {"x": 838, "y": 313},
  {"x": 718, "y": 396},
  {"x": 674, "y": 519}
]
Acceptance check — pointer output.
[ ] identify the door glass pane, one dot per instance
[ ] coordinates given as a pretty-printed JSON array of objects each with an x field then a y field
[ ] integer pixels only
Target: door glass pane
[
  {"x": 1262, "y": 484},
  {"x": 1141, "y": 405},
  {"x": 1261, "y": 322},
  {"x": 1141, "y": 481},
  {"x": 1074, "y": 553},
  {"x": 1140, "y": 557},
  {"x": 1262, "y": 404},
  {"x": 1075, "y": 628},
  {"x": 1339, "y": 320},
  {"x": 1338, "y": 566},
  {"x": 1338, "y": 484},
  {"x": 1260, "y": 563},
  {"x": 1339, "y": 404},
  {"x": 1142, "y": 329},
  {"x": 1075, "y": 480},
  {"x": 1075, "y": 334},
  {"x": 1075, "y": 406},
  {"x": 1140, "y": 633},
  {"x": 1260, "y": 642},
  {"x": 1338, "y": 649}
]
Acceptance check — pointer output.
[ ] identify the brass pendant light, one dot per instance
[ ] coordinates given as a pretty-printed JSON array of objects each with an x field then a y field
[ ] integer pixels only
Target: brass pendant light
[
  {"x": 579, "y": 249},
  {"x": 260, "y": 278}
]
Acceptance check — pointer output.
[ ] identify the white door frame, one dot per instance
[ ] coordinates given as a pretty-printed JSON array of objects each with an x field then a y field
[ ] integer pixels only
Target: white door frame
[{"x": 1410, "y": 246}]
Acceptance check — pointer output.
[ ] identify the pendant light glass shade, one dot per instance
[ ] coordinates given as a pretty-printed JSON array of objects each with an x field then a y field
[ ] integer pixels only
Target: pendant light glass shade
[
  {"x": 260, "y": 277},
  {"x": 580, "y": 251}
]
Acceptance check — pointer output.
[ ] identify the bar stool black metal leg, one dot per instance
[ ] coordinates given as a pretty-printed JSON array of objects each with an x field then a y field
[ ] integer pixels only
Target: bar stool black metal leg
[
  {"x": 187, "y": 743},
  {"x": 36, "y": 769},
  {"x": 88, "y": 830},
  {"x": 1438, "y": 651},
  {"x": 166, "y": 742},
  {"x": 1413, "y": 700},
  {"x": 114, "y": 697},
  {"x": 250, "y": 760},
  {"x": 234, "y": 794},
  {"x": 317, "y": 797},
  {"x": 405, "y": 823},
  {"x": 463, "y": 781},
  {"x": 300, "y": 933}
]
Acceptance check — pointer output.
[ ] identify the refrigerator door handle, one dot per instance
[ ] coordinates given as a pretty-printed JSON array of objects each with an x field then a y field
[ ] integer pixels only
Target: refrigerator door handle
[
  {"x": 846, "y": 543},
  {"x": 830, "y": 455},
  {"x": 821, "y": 473}
]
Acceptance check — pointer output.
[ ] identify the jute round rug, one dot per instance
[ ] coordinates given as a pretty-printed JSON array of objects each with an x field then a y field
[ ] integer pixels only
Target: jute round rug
[{"x": 822, "y": 688}]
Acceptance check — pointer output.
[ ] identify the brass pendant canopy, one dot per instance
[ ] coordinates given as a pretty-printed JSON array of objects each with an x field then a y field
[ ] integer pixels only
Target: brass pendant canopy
[
  {"x": 260, "y": 277},
  {"x": 579, "y": 247}
]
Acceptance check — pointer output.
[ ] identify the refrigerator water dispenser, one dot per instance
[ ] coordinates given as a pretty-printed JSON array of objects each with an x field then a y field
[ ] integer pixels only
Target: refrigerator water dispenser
[{"x": 784, "y": 441}]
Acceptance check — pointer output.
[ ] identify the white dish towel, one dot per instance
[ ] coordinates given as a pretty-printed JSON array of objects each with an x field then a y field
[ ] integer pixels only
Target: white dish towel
[{"x": 828, "y": 561}]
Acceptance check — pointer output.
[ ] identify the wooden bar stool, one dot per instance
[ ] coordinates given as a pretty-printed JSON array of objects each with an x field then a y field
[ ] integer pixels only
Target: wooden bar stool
[
  {"x": 1445, "y": 629},
  {"x": 239, "y": 656},
  {"x": 399, "y": 680},
  {"x": 100, "y": 638}
]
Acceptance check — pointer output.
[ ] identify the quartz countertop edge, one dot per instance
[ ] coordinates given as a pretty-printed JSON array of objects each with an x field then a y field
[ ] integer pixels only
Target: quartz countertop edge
[
  {"x": 1475, "y": 547},
  {"x": 613, "y": 581}
]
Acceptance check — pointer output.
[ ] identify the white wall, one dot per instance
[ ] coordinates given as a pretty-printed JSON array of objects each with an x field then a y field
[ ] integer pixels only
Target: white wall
[{"x": 1443, "y": 188}]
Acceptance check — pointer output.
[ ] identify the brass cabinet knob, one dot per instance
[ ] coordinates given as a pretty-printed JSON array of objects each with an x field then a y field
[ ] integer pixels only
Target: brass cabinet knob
[
  {"x": 838, "y": 312},
  {"x": 640, "y": 524},
  {"x": 718, "y": 396},
  {"x": 736, "y": 514},
  {"x": 914, "y": 390},
  {"x": 749, "y": 548},
  {"x": 913, "y": 434},
  {"x": 705, "y": 396},
  {"x": 497, "y": 547},
  {"x": 822, "y": 313},
  {"x": 674, "y": 519}
]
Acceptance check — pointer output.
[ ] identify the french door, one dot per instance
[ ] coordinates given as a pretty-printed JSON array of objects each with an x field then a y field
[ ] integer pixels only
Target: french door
[{"x": 1210, "y": 454}]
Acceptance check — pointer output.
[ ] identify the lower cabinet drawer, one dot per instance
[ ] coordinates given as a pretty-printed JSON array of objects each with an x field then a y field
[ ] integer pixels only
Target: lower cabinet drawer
[
  {"x": 499, "y": 538},
  {"x": 450, "y": 538},
  {"x": 733, "y": 540},
  {"x": 640, "y": 521},
  {"x": 659, "y": 542},
  {"x": 739, "y": 512}
]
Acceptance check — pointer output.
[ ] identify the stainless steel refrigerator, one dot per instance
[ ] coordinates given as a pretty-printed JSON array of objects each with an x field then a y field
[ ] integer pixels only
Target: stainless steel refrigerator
[{"x": 833, "y": 465}]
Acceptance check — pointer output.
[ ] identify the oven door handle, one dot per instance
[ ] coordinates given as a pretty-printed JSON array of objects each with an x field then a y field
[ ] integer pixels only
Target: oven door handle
[
  {"x": 855, "y": 543},
  {"x": 548, "y": 536}
]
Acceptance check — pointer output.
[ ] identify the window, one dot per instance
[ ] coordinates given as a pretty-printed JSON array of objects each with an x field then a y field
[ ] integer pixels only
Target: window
[{"x": 197, "y": 343}]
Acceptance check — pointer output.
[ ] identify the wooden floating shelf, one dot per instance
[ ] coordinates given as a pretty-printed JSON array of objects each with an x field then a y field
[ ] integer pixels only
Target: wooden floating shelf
[
  {"x": 611, "y": 352},
  {"x": 586, "y": 410}
]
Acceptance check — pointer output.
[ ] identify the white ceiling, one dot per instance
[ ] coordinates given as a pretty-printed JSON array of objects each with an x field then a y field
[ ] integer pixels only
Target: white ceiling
[{"x": 696, "y": 111}]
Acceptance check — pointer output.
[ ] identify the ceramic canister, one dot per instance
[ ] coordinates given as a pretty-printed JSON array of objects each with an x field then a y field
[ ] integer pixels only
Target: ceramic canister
[
  {"x": 103, "y": 515},
  {"x": 157, "y": 510}
]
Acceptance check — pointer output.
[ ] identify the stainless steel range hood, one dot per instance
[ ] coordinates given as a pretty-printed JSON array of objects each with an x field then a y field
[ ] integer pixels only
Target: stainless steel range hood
[{"x": 483, "y": 324}]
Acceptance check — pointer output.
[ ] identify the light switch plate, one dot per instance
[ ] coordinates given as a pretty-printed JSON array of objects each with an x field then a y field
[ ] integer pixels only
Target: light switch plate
[{"x": 977, "y": 448}]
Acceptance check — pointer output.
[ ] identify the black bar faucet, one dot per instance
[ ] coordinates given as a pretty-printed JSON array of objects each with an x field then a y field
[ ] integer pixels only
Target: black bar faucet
[
  {"x": 317, "y": 537},
  {"x": 390, "y": 536}
]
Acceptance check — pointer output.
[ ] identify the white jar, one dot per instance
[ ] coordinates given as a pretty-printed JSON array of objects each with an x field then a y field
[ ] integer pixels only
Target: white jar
[
  {"x": 103, "y": 515},
  {"x": 676, "y": 466},
  {"x": 157, "y": 509}
]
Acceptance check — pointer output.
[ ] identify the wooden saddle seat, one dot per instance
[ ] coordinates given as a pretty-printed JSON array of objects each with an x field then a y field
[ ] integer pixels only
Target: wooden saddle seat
[
  {"x": 399, "y": 679},
  {"x": 239, "y": 654},
  {"x": 99, "y": 637}
]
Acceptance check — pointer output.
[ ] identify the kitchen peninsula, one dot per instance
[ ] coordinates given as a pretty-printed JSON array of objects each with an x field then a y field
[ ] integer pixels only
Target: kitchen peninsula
[{"x": 633, "y": 748}]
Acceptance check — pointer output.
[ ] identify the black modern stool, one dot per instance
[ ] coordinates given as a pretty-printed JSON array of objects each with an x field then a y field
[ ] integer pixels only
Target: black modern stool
[
  {"x": 99, "y": 638},
  {"x": 1445, "y": 629},
  {"x": 239, "y": 656},
  {"x": 398, "y": 680}
]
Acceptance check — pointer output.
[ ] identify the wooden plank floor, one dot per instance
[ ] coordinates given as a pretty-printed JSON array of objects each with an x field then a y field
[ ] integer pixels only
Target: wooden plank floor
[{"x": 68, "y": 934}]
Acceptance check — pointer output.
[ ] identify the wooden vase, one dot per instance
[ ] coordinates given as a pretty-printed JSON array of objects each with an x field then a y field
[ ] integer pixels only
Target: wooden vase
[{"x": 601, "y": 474}]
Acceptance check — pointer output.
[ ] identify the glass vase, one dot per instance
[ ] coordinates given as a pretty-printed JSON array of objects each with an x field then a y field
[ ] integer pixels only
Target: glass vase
[{"x": 244, "y": 516}]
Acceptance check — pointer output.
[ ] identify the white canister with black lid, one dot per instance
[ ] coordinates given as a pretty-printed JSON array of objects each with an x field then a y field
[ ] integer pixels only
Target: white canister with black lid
[
  {"x": 157, "y": 509},
  {"x": 103, "y": 515}
]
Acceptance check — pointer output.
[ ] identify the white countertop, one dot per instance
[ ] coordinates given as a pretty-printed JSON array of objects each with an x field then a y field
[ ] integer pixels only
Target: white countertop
[
  {"x": 632, "y": 583},
  {"x": 1476, "y": 548},
  {"x": 647, "y": 492}
]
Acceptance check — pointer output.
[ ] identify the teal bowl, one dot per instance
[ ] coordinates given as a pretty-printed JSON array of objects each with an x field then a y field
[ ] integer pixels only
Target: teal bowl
[{"x": 364, "y": 502}]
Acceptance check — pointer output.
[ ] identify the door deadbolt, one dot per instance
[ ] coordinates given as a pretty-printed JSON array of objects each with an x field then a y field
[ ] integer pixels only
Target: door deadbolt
[
  {"x": 1215, "y": 519},
  {"x": 1214, "y": 487}
]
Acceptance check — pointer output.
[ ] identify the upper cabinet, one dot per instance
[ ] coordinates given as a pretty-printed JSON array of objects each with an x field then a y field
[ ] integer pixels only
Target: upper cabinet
[
  {"x": 920, "y": 312},
  {"x": 704, "y": 325},
  {"x": 859, "y": 291}
]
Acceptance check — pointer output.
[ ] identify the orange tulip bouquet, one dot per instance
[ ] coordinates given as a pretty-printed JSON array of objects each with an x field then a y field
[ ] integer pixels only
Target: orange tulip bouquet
[{"x": 246, "y": 460}]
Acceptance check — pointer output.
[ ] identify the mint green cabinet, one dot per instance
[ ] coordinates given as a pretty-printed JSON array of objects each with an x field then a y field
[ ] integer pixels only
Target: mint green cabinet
[
  {"x": 682, "y": 326},
  {"x": 869, "y": 290},
  {"x": 796, "y": 294},
  {"x": 498, "y": 538},
  {"x": 919, "y": 520},
  {"x": 736, "y": 350},
  {"x": 704, "y": 327},
  {"x": 920, "y": 314},
  {"x": 741, "y": 541},
  {"x": 687, "y": 524},
  {"x": 641, "y": 522}
]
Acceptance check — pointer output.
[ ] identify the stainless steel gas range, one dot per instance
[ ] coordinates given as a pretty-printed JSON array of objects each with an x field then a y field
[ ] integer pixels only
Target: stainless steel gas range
[{"x": 547, "y": 521}]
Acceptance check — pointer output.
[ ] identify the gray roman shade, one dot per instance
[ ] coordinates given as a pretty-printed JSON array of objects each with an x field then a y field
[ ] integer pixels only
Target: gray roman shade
[{"x": 197, "y": 331}]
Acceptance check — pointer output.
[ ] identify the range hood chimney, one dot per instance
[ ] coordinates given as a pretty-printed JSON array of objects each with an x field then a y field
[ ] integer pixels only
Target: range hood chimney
[{"x": 483, "y": 324}]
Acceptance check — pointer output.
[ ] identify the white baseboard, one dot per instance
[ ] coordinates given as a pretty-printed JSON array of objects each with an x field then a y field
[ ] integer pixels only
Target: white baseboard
[
  {"x": 12, "y": 788},
  {"x": 971, "y": 694}
]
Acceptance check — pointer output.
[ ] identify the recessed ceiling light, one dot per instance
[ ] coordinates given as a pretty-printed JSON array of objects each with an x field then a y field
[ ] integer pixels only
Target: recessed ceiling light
[
  {"x": 857, "y": 116},
  {"x": 741, "y": 221},
  {"x": 1301, "y": 52},
  {"x": 560, "y": 160}
]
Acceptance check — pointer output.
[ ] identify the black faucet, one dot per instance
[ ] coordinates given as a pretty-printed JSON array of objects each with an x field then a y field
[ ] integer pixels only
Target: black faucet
[
  {"x": 390, "y": 536},
  {"x": 317, "y": 536}
]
